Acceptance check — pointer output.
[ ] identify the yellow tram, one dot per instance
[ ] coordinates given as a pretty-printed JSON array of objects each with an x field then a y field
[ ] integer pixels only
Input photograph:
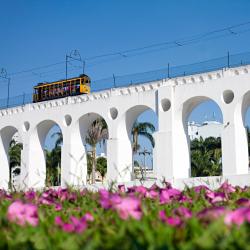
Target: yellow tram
[{"x": 59, "y": 89}]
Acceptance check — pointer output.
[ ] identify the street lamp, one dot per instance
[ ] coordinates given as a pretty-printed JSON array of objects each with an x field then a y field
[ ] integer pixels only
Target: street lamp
[
  {"x": 4, "y": 75},
  {"x": 74, "y": 55}
]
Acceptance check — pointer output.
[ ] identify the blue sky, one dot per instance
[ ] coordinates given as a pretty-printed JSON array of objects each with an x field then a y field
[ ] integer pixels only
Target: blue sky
[{"x": 36, "y": 33}]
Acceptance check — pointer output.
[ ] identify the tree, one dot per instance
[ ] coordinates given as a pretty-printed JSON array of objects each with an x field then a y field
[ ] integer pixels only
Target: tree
[
  {"x": 53, "y": 160},
  {"x": 89, "y": 164},
  {"x": 59, "y": 138},
  {"x": 101, "y": 166},
  {"x": 15, "y": 157},
  {"x": 144, "y": 129},
  {"x": 97, "y": 133},
  {"x": 206, "y": 157}
]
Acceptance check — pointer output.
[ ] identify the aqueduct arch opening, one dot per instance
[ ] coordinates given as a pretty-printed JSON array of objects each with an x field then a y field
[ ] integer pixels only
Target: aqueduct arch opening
[
  {"x": 141, "y": 123},
  {"x": 94, "y": 134},
  {"x": 245, "y": 118},
  {"x": 10, "y": 148},
  {"x": 48, "y": 140},
  {"x": 203, "y": 131}
]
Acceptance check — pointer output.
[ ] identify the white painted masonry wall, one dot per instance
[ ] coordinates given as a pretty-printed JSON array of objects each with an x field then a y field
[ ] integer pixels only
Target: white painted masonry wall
[{"x": 172, "y": 100}]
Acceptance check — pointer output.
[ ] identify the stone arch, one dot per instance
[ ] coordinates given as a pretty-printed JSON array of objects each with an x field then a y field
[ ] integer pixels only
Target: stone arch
[
  {"x": 83, "y": 124},
  {"x": 85, "y": 121},
  {"x": 37, "y": 143},
  {"x": 188, "y": 106},
  {"x": 242, "y": 124},
  {"x": 244, "y": 107},
  {"x": 6, "y": 135},
  {"x": 125, "y": 128}
]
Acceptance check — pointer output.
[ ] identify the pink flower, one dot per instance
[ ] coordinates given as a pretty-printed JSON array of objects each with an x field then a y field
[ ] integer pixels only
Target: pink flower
[
  {"x": 74, "y": 225},
  {"x": 105, "y": 199},
  {"x": 164, "y": 197},
  {"x": 215, "y": 197},
  {"x": 182, "y": 212},
  {"x": 184, "y": 198},
  {"x": 58, "y": 221},
  {"x": 238, "y": 216},
  {"x": 58, "y": 207},
  {"x": 212, "y": 213},
  {"x": 210, "y": 194},
  {"x": 122, "y": 188},
  {"x": 88, "y": 217},
  {"x": 243, "y": 202},
  {"x": 141, "y": 190},
  {"x": 172, "y": 221},
  {"x": 129, "y": 207},
  {"x": 219, "y": 197},
  {"x": 200, "y": 188},
  {"x": 79, "y": 225},
  {"x": 22, "y": 214},
  {"x": 30, "y": 195},
  {"x": 154, "y": 187},
  {"x": 152, "y": 194},
  {"x": 162, "y": 215},
  {"x": 46, "y": 198},
  {"x": 67, "y": 227},
  {"x": 227, "y": 188},
  {"x": 167, "y": 195}
]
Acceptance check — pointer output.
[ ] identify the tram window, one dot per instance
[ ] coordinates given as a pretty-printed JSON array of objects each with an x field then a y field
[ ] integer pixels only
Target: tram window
[{"x": 73, "y": 86}]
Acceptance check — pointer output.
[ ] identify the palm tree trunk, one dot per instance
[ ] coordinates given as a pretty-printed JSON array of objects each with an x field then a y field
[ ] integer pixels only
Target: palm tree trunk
[
  {"x": 10, "y": 179},
  {"x": 93, "y": 163},
  {"x": 134, "y": 151}
]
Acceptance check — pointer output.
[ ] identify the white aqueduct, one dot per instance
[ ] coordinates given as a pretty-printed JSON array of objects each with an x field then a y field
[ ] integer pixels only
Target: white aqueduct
[{"x": 171, "y": 99}]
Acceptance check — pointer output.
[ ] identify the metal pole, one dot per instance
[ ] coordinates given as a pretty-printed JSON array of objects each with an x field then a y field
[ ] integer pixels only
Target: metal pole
[
  {"x": 114, "y": 80},
  {"x": 83, "y": 66},
  {"x": 144, "y": 162},
  {"x": 168, "y": 71},
  {"x": 23, "y": 98},
  {"x": 228, "y": 59},
  {"x": 66, "y": 67},
  {"x": 8, "y": 95}
]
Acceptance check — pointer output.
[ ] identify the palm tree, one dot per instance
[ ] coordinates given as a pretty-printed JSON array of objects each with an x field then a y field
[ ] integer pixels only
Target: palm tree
[
  {"x": 200, "y": 161},
  {"x": 89, "y": 164},
  {"x": 216, "y": 166},
  {"x": 101, "y": 166},
  {"x": 206, "y": 157},
  {"x": 53, "y": 158},
  {"x": 14, "y": 156},
  {"x": 59, "y": 138},
  {"x": 97, "y": 133},
  {"x": 144, "y": 129}
]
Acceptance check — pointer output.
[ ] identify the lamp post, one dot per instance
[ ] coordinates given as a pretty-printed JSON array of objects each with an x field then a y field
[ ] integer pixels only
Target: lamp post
[
  {"x": 74, "y": 55},
  {"x": 4, "y": 75}
]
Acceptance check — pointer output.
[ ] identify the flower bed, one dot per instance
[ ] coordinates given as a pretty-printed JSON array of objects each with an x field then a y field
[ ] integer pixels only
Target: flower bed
[{"x": 136, "y": 218}]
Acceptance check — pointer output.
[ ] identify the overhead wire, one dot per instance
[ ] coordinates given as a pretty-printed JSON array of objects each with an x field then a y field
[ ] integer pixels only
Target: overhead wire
[{"x": 119, "y": 55}]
